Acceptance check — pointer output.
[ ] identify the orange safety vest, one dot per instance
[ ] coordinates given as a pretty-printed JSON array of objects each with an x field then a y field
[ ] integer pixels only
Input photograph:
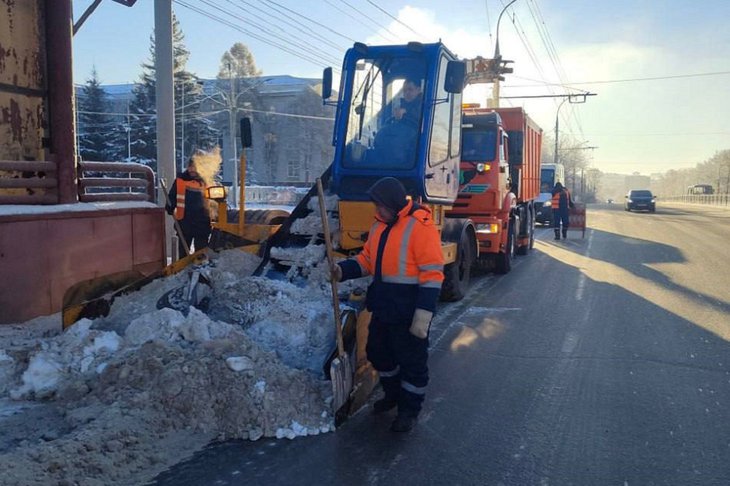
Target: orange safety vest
[
  {"x": 183, "y": 186},
  {"x": 556, "y": 199},
  {"x": 412, "y": 254}
]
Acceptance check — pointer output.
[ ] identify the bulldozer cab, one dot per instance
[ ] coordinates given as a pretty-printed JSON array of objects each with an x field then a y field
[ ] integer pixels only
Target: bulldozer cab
[{"x": 398, "y": 114}]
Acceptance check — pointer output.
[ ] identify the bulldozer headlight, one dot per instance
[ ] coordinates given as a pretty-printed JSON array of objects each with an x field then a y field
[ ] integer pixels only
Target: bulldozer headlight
[
  {"x": 489, "y": 228},
  {"x": 216, "y": 193}
]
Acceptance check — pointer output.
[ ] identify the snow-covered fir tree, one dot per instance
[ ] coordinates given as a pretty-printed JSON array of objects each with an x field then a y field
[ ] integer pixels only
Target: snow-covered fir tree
[
  {"x": 197, "y": 130},
  {"x": 94, "y": 122}
]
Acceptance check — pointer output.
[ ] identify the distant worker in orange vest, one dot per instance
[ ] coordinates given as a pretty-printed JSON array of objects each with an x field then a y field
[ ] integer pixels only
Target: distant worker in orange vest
[
  {"x": 189, "y": 206},
  {"x": 561, "y": 204},
  {"x": 403, "y": 254}
]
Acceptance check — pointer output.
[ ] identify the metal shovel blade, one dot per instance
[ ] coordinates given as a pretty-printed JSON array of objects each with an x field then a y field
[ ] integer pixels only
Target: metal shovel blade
[{"x": 341, "y": 375}]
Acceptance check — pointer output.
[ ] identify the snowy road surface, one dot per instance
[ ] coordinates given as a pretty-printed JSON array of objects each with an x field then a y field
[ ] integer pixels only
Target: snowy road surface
[{"x": 595, "y": 361}]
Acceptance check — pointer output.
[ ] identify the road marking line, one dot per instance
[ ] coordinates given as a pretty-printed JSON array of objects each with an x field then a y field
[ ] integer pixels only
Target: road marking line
[{"x": 582, "y": 279}]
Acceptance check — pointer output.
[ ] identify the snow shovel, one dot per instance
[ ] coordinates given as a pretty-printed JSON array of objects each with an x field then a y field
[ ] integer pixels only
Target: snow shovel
[{"x": 341, "y": 368}]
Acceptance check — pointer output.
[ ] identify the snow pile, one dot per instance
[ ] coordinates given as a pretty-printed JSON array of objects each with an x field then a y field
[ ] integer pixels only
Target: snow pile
[{"x": 120, "y": 398}]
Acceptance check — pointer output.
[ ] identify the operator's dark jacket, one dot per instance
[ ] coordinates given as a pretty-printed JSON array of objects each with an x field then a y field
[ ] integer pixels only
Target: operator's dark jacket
[{"x": 194, "y": 215}]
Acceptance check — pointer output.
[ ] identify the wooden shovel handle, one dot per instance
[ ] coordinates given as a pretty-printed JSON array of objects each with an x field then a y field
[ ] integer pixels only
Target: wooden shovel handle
[
  {"x": 178, "y": 228},
  {"x": 331, "y": 262}
]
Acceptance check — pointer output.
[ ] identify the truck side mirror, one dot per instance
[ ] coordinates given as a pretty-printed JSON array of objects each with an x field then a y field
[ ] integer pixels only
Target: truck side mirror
[
  {"x": 455, "y": 77},
  {"x": 245, "y": 132},
  {"x": 327, "y": 83}
]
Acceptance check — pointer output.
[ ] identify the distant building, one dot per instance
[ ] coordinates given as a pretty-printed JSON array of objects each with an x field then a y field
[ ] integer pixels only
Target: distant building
[{"x": 291, "y": 129}]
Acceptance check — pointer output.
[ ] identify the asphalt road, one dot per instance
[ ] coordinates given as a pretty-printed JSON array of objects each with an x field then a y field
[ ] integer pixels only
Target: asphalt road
[{"x": 602, "y": 360}]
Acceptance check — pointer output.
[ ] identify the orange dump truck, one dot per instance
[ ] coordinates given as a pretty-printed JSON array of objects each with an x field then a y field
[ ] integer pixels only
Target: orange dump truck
[{"x": 499, "y": 181}]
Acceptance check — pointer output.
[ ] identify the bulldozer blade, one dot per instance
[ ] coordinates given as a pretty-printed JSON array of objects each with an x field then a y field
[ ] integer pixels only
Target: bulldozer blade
[
  {"x": 196, "y": 293},
  {"x": 93, "y": 298}
]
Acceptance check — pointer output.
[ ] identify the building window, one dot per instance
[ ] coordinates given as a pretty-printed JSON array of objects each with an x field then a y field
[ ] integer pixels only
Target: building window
[{"x": 293, "y": 165}]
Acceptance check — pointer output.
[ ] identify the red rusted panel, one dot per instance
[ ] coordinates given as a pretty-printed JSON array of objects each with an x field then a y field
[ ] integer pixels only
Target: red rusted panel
[
  {"x": 42, "y": 255},
  {"x": 148, "y": 240},
  {"x": 24, "y": 265}
]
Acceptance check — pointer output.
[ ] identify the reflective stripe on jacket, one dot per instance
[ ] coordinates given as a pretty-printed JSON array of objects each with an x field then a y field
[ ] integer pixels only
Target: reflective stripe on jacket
[
  {"x": 196, "y": 187},
  {"x": 406, "y": 262}
]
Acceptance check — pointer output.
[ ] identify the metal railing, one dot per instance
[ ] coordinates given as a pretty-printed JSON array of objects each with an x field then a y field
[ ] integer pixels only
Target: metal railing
[
  {"x": 115, "y": 181},
  {"x": 28, "y": 182},
  {"x": 708, "y": 199}
]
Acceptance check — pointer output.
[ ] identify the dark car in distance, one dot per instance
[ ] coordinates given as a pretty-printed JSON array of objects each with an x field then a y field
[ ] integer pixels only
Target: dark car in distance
[{"x": 640, "y": 199}]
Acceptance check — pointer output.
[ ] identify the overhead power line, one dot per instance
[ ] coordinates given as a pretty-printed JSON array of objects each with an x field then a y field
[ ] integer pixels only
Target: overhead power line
[
  {"x": 312, "y": 21},
  {"x": 394, "y": 18},
  {"x": 610, "y": 81},
  {"x": 318, "y": 62}
]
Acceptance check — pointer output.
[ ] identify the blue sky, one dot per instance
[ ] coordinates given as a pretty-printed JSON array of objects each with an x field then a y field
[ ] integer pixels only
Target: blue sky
[{"x": 644, "y": 125}]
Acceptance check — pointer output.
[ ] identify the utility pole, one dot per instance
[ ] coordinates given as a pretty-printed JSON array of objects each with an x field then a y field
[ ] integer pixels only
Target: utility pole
[{"x": 165, "y": 101}]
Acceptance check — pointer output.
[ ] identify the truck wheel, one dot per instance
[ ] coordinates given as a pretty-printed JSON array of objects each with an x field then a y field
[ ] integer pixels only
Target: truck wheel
[
  {"x": 525, "y": 249},
  {"x": 504, "y": 259},
  {"x": 457, "y": 274}
]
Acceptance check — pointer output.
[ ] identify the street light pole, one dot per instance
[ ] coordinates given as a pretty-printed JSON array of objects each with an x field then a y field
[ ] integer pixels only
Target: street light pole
[
  {"x": 497, "y": 61},
  {"x": 557, "y": 118}
]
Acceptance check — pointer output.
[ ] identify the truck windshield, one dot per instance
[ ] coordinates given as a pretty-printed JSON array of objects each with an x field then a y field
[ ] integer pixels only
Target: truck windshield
[
  {"x": 478, "y": 145},
  {"x": 385, "y": 113}
]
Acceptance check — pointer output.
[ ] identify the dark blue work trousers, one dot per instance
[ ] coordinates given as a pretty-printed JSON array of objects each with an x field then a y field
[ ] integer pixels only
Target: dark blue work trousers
[
  {"x": 401, "y": 360},
  {"x": 561, "y": 215}
]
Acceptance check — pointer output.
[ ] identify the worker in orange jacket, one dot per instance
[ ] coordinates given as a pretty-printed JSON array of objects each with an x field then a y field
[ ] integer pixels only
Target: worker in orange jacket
[
  {"x": 403, "y": 255},
  {"x": 561, "y": 204},
  {"x": 189, "y": 206}
]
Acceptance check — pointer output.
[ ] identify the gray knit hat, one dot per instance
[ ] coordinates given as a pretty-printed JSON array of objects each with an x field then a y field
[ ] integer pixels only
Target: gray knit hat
[{"x": 389, "y": 192}]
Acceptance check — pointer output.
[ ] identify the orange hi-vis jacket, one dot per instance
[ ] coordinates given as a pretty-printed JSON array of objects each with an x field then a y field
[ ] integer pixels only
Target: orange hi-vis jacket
[
  {"x": 406, "y": 262},
  {"x": 561, "y": 200},
  {"x": 182, "y": 186}
]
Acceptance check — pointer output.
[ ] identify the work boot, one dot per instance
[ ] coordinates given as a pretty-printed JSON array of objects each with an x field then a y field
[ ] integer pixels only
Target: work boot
[
  {"x": 565, "y": 234},
  {"x": 557, "y": 234},
  {"x": 383, "y": 405},
  {"x": 403, "y": 423}
]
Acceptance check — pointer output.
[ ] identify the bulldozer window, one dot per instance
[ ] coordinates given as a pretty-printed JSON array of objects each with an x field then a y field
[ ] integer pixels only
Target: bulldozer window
[{"x": 376, "y": 136}]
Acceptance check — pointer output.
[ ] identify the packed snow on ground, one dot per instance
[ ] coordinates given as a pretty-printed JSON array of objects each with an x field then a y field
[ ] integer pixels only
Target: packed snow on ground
[{"x": 118, "y": 399}]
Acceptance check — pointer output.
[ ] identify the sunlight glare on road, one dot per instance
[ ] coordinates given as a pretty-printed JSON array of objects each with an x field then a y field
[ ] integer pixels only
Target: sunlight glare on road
[
  {"x": 488, "y": 328},
  {"x": 678, "y": 303}
]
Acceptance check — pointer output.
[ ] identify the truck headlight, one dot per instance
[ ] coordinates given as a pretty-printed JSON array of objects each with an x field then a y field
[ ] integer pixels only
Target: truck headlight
[
  {"x": 481, "y": 167},
  {"x": 490, "y": 228},
  {"x": 547, "y": 204},
  {"x": 629, "y": 200}
]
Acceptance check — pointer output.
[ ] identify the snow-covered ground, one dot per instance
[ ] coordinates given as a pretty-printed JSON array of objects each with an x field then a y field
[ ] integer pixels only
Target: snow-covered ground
[{"x": 119, "y": 399}]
